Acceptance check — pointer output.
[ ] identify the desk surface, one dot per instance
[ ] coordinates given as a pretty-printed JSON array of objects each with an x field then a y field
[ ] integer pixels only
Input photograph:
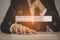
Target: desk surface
[{"x": 39, "y": 36}]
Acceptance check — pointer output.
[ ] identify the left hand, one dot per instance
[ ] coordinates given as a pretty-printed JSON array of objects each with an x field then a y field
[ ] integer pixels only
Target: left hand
[{"x": 21, "y": 29}]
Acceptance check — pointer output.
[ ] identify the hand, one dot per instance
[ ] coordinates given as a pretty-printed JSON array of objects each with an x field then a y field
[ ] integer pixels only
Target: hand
[
  {"x": 20, "y": 29},
  {"x": 38, "y": 4}
]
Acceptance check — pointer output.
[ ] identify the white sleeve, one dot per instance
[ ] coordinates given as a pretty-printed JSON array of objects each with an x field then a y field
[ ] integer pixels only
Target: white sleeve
[{"x": 11, "y": 28}]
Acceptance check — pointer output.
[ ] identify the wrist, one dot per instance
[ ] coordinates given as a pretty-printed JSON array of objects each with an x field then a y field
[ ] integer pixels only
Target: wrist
[{"x": 11, "y": 28}]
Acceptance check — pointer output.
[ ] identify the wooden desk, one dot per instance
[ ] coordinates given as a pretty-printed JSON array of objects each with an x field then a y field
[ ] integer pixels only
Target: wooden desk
[{"x": 39, "y": 36}]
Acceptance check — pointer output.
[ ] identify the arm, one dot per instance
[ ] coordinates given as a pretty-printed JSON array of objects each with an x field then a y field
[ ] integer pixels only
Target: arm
[
  {"x": 5, "y": 27},
  {"x": 54, "y": 25},
  {"x": 7, "y": 22},
  {"x": 51, "y": 10}
]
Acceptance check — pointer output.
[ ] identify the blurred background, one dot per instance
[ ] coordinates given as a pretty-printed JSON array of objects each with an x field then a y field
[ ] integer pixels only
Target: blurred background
[{"x": 4, "y": 5}]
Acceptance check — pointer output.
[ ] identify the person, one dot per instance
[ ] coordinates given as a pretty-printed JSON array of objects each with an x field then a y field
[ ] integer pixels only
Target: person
[{"x": 22, "y": 7}]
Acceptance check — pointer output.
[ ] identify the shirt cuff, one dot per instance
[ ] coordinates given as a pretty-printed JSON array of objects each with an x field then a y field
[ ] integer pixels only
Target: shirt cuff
[
  {"x": 11, "y": 28},
  {"x": 44, "y": 12}
]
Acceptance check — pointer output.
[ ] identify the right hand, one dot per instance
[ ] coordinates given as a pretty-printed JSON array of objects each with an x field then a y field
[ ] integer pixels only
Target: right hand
[
  {"x": 39, "y": 4},
  {"x": 20, "y": 29}
]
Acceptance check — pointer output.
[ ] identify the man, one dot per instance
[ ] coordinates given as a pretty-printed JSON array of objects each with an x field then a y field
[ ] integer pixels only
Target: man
[{"x": 22, "y": 7}]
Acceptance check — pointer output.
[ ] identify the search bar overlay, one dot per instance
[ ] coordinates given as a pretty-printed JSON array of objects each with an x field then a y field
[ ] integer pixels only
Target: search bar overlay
[{"x": 33, "y": 18}]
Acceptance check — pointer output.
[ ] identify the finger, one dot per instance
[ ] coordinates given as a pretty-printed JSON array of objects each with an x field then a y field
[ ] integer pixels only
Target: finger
[
  {"x": 29, "y": 31},
  {"x": 13, "y": 29},
  {"x": 33, "y": 31},
  {"x": 24, "y": 30},
  {"x": 16, "y": 31},
  {"x": 21, "y": 30}
]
